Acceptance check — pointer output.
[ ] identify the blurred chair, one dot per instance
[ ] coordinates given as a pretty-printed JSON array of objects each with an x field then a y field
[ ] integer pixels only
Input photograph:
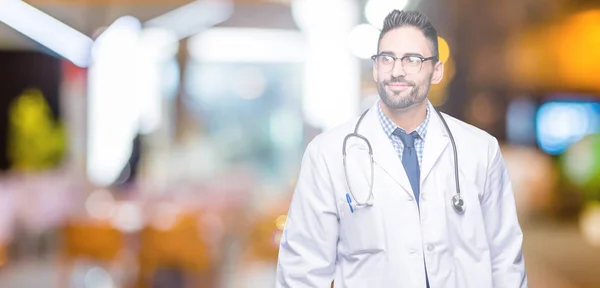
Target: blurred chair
[
  {"x": 90, "y": 240},
  {"x": 179, "y": 247}
]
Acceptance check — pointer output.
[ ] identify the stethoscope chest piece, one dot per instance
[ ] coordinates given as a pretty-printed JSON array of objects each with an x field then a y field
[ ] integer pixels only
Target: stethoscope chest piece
[{"x": 458, "y": 204}]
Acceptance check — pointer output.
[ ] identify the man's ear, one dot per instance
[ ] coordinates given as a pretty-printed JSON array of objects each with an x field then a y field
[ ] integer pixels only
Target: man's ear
[{"x": 438, "y": 72}]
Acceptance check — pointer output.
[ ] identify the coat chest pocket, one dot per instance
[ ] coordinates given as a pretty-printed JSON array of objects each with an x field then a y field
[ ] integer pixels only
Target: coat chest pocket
[{"x": 361, "y": 231}]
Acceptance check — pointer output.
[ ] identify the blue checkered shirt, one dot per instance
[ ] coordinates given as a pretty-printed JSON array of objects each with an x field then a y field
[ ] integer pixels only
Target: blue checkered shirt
[{"x": 389, "y": 127}]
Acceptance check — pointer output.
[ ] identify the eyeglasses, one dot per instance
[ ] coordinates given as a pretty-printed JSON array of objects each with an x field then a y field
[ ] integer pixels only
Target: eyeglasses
[{"x": 410, "y": 63}]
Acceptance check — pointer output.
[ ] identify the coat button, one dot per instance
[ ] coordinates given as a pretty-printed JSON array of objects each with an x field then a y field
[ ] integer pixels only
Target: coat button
[{"x": 430, "y": 247}]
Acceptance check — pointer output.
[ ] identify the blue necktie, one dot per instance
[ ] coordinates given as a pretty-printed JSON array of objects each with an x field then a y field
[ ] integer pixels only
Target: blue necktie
[{"x": 410, "y": 161}]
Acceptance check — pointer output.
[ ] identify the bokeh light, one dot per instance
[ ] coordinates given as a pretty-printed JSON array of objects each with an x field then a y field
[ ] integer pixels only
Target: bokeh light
[
  {"x": 581, "y": 164},
  {"x": 590, "y": 224},
  {"x": 100, "y": 204},
  {"x": 362, "y": 41},
  {"x": 534, "y": 178},
  {"x": 443, "y": 49},
  {"x": 280, "y": 222},
  {"x": 377, "y": 10},
  {"x": 559, "y": 124}
]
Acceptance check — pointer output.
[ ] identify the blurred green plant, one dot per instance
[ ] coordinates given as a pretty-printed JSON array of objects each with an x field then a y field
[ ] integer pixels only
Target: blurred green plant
[{"x": 35, "y": 140}]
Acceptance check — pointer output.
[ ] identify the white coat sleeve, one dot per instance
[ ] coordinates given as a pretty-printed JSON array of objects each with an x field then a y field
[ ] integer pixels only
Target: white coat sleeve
[
  {"x": 503, "y": 230},
  {"x": 308, "y": 247}
]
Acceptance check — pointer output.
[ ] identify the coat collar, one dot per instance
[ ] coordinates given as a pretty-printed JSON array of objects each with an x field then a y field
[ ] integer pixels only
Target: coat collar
[{"x": 386, "y": 156}]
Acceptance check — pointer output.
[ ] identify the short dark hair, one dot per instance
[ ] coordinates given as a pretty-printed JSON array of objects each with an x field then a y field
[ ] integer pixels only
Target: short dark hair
[{"x": 397, "y": 19}]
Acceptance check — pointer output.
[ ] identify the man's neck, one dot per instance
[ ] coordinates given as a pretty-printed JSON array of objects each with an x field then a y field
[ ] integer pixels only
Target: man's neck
[{"x": 408, "y": 119}]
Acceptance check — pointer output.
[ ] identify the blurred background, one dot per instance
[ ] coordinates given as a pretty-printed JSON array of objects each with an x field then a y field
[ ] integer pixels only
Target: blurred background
[{"x": 156, "y": 143}]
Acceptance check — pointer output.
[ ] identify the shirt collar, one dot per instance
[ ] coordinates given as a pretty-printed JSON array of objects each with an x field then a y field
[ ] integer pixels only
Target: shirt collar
[{"x": 389, "y": 126}]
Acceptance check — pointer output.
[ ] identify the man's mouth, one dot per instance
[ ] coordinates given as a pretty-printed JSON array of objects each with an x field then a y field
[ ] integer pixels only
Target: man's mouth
[{"x": 398, "y": 86}]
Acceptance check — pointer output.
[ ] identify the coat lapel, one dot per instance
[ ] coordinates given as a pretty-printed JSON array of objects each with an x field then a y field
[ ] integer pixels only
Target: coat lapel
[
  {"x": 384, "y": 153},
  {"x": 436, "y": 142}
]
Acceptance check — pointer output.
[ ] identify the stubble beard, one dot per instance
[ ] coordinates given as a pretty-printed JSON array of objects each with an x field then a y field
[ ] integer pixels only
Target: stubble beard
[{"x": 393, "y": 100}]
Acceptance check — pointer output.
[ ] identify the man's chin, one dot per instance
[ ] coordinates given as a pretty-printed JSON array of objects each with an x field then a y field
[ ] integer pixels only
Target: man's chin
[
  {"x": 397, "y": 99},
  {"x": 398, "y": 103}
]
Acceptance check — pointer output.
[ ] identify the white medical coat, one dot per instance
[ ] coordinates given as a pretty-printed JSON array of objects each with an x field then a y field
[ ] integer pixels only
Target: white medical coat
[{"x": 389, "y": 244}]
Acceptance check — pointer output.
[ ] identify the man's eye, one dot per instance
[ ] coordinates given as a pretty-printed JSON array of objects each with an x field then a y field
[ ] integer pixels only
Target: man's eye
[
  {"x": 387, "y": 59},
  {"x": 413, "y": 59}
]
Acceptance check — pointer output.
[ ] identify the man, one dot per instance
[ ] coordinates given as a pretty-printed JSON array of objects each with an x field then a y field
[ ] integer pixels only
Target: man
[{"x": 413, "y": 233}]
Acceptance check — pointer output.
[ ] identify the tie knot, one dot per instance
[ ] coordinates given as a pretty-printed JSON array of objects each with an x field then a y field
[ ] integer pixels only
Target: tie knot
[{"x": 407, "y": 139}]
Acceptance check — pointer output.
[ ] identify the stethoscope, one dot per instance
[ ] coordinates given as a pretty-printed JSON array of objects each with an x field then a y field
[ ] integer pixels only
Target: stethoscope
[{"x": 457, "y": 202}]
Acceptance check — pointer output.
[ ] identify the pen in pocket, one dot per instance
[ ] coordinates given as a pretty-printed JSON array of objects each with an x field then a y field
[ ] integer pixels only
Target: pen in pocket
[{"x": 349, "y": 202}]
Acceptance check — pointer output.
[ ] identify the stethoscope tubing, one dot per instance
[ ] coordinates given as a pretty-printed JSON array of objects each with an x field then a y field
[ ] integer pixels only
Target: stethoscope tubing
[{"x": 457, "y": 202}]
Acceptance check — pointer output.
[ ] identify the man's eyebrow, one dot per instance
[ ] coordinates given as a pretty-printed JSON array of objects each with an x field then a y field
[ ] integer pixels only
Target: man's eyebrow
[
  {"x": 413, "y": 54},
  {"x": 394, "y": 54}
]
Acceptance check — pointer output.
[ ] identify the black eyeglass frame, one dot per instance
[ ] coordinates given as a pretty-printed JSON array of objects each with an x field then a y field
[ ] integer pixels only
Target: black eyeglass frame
[{"x": 423, "y": 59}]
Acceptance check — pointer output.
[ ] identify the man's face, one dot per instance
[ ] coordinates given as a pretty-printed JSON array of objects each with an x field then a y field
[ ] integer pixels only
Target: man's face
[{"x": 397, "y": 89}]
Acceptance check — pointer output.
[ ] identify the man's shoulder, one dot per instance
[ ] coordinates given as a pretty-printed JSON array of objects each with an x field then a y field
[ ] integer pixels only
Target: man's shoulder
[
  {"x": 332, "y": 139},
  {"x": 472, "y": 136}
]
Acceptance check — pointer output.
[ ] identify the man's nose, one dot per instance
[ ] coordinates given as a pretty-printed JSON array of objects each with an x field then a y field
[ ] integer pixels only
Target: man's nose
[{"x": 398, "y": 71}]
